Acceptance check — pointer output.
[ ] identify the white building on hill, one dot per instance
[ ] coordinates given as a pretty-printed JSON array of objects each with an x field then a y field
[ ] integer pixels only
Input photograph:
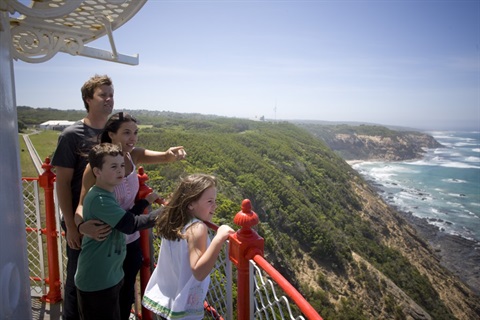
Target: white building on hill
[{"x": 56, "y": 124}]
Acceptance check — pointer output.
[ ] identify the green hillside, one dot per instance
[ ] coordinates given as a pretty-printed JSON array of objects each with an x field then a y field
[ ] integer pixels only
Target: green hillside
[{"x": 313, "y": 208}]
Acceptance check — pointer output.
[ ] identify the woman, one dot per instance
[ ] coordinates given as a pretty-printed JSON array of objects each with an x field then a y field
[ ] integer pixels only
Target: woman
[{"x": 121, "y": 128}]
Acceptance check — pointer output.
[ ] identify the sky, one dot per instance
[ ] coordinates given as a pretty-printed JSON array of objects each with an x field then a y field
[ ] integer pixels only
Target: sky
[{"x": 404, "y": 63}]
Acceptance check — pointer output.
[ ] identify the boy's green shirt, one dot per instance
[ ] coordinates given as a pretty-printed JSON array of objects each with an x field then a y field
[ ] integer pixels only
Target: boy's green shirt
[{"x": 100, "y": 262}]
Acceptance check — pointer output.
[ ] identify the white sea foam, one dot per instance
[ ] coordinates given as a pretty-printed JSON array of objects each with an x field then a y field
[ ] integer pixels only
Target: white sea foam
[
  {"x": 472, "y": 159},
  {"x": 459, "y": 165},
  {"x": 476, "y": 149},
  {"x": 389, "y": 171},
  {"x": 455, "y": 204},
  {"x": 454, "y": 180},
  {"x": 464, "y": 144},
  {"x": 472, "y": 214},
  {"x": 442, "y": 135},
  {"x": 448, "y": 144},
  {"x": 443, "y": 163},
  {"x": 439, "y": 190},
  {"x": 456, "y": 195}
]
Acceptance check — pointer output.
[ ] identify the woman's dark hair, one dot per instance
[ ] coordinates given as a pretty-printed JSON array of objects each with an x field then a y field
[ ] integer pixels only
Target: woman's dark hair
[{"x": 114, "y": 123}]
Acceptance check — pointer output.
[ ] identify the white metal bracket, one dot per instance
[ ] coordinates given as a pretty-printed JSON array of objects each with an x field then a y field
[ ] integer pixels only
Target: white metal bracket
[{"x": 45, "y": 28}]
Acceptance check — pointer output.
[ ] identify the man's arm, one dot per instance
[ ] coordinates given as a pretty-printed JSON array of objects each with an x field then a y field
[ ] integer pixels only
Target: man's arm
[
  {"x": 64, "y": 194},
  {"x": 95, "y": 229}
]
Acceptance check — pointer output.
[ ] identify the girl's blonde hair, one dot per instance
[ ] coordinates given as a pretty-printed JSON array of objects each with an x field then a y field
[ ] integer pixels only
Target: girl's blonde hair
[{"x": 176, "y": 215}]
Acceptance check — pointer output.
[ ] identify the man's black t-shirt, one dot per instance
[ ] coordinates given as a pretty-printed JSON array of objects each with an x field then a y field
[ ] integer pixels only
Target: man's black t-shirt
[{"x": 74, "y": 144}]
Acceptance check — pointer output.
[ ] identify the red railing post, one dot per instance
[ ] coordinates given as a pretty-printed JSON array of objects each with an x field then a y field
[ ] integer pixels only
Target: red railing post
[
  {"x": 145, "y": 270},
  {"x": 46, "y": 180},
  {"x": 244, "y": 245}
]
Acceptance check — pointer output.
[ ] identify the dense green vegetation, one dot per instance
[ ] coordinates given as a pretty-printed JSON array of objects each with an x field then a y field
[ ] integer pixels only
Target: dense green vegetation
[
  {"x": 301, "y": 191},
  {"x": 28, "y": 116}
]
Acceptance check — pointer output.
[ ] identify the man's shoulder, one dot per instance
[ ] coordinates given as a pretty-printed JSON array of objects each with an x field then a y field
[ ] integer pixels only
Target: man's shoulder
[
  {"x": 73, "y": 131},
  {"x": 73, "y": 128}
]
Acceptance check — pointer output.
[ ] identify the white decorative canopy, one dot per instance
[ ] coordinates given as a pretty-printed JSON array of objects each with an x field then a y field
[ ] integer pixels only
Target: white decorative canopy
[{"x": 46, "y": 27}]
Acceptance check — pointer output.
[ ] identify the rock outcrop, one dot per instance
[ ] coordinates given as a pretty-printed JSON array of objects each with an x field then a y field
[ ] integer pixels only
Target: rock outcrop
[
  {"x": 404, "y": 146},
  {"x": 373, "y": 142}
]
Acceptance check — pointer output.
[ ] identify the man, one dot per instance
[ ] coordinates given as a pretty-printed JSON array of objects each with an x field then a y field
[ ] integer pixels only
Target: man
[{"x": 70, "y": 160}]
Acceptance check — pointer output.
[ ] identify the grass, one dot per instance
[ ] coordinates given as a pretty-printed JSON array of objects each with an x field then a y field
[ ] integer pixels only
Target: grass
[
  {"x": 45, "y": 142},
  {"x": 26, "y": 163}
]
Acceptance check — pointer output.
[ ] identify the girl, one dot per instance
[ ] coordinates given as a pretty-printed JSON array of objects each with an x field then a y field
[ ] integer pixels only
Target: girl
[
  {"x": 179, "y": 284},
  {"x": 121, "y": 128}
]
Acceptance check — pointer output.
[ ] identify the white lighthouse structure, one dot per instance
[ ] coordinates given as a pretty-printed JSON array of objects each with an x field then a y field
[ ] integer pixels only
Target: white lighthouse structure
[{"x": 35, "y": 34}]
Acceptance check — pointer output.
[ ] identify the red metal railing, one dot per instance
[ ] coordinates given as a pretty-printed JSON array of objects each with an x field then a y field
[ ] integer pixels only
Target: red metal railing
[
  {"x": 46, "y": 181},
  {"x": 290, "y": 290}
]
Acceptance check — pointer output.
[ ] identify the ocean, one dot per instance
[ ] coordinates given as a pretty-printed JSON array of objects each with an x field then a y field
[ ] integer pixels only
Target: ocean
[{"x": 443, "y": 187}]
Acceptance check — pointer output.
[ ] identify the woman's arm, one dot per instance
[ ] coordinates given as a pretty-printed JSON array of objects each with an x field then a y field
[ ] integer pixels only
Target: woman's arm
[
  {"x": 95, "y": 229},
  {"x": 88, "y": 180},
  {"x": 140, "y": 155}
]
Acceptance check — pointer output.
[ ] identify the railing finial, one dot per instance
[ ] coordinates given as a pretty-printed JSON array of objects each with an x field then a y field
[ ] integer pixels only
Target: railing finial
[
  {"x": 246, "y": 218},
  {"x": 46, "y": 166},
  {"x": 243, "y": 246}
]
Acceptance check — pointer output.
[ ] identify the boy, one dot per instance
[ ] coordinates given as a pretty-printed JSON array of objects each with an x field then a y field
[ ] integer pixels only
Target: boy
[{"x": 99, "y": 274}]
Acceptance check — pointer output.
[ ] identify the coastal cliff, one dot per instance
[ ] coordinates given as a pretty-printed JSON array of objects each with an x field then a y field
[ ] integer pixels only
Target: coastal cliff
[{"x": 367, "y": 142}]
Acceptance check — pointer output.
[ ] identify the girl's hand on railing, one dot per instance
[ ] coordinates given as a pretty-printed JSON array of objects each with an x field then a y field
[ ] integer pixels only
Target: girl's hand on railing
[
  {"x": 224, "y": 232},
  {"x": 152, "y": 197}
]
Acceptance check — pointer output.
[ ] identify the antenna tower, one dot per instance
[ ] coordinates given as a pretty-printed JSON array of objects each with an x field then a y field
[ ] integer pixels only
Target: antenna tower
[{"x": 275, "y": 111}]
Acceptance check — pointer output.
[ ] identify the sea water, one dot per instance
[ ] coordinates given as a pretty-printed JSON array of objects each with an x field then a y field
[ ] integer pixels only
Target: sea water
[{"x": 443, "y": 187}]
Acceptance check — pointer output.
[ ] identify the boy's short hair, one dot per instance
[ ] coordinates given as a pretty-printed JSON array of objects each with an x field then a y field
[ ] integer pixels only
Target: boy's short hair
[{"x": 97, "y": 154}]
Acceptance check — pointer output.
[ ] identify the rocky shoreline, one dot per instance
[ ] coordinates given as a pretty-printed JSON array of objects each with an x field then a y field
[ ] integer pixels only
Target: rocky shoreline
[{"x": 459, "y": 255}]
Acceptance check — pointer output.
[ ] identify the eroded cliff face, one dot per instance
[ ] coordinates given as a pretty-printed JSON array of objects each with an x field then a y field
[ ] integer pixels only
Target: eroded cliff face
[
  {"x": 400, "y": 147},
  {"x": 371, "y": 142}
]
